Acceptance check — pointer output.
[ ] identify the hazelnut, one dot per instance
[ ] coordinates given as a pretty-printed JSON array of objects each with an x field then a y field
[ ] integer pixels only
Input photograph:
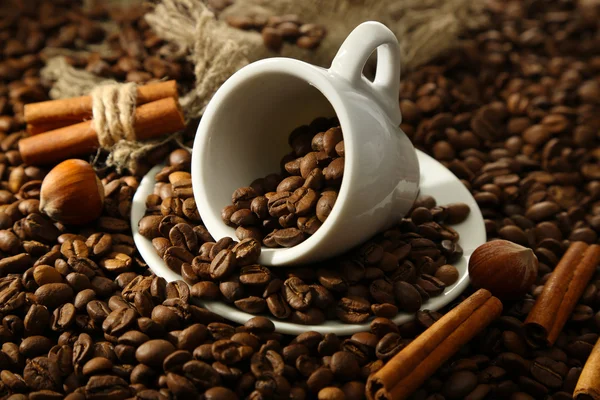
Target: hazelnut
[
  {"x": 504, "y": 268},
  {"x": 71, "y": 193}
]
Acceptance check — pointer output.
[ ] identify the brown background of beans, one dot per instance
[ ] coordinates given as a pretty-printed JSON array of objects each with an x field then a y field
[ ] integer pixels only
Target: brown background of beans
[{"x": 514, "y": 113}]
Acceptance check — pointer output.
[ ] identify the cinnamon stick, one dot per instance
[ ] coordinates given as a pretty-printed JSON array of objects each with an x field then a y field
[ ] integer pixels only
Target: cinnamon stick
[
  {"x": 153, "y": 119},
  {"x": 588, "y": 385},
  {"x": 47, "y": 126},
  {"x": 561, "y": 293},
  {"x": 412, "y": 366},
  {"x": 63, "y": 112}
]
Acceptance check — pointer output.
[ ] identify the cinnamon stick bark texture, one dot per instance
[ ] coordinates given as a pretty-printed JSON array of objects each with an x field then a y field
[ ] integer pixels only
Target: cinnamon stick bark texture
[
  {"x": 588, "y": 385},
  {"x": 54, "y": 114},
  {"x": 154, "y": 119},
  {"x": 410, "y": 368},
  {"x": 47, "y": 126},
  {"x": 561, "y": 293}
]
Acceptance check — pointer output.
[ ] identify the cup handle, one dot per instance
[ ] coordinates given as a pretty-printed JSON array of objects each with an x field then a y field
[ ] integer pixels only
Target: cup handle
[{"x": 354, "y": 53}]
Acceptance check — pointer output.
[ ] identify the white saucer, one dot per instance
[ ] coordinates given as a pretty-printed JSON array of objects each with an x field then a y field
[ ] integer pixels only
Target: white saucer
[{"x": 436, "y": 181}]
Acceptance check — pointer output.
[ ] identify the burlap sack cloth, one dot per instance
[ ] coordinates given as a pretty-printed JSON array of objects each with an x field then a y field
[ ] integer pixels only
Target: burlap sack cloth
[{"x": 425, "y": 29}]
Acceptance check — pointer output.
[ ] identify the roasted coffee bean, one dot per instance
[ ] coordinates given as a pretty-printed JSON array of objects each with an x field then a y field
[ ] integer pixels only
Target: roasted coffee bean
[
  {"x": 36, "y": 320},
  {"x": 297, "y": 293},
  {"x": 223, "y": 264},
  {"x": 246, "y": 252},
  {"x": 302, "y": 201},
  {"x": 175, "y": 257},
  {"x": 205, "y": 290},
  {"x": 382, "y": 291},
  {"x": 278, "y": 306},
  {"x": 353, "y": 309},
  {"x": 182, "y": 235},
  {"x": 53, "y": 295},
  {"x": 389, "y": 346},
  {"x": 251, "y": 305},
  {"x": 106, "y": 385},
  {"x": 118, "y": 321},
  {"x": 407, "y": 296},
  {"x": 174, "y": 361},
  {"x": 63, "y": 317},
  {"x": 344, "y": 366},
  {"x": 255, "y": 275},
  {"x": 154, "y": 352},
  {"x": 266, "y": 362},
  {"x": 459, "y": 385},
  {"x": 288, "y": 237},
  {"x": 312, "y": 316},
  {"x": 167, "y": 317},
  {"x": 544, "y": 370}
]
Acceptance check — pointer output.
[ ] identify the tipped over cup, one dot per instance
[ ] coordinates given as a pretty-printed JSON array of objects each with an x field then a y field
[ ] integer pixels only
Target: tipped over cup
[{"x": 244, "y": 133}]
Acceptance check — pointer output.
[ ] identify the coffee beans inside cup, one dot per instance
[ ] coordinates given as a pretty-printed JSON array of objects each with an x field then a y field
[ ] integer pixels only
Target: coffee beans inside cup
[{"x": 283, "y": 210}]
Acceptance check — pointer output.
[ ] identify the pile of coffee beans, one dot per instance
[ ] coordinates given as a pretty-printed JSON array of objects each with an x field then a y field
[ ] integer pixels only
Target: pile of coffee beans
[
  {"x": 82, "y": 317},
  {"x": 282, "y": 210},
  {"x": 396, "y": 271},
  {"x": 277, "y": 29}
]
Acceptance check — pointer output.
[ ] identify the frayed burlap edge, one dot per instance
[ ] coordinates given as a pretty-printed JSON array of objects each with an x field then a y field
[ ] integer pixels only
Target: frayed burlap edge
[{"x": 426, "y": 29}]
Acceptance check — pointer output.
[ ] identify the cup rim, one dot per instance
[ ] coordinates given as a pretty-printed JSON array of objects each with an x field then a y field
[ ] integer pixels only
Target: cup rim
[{"x": 315, "y": 76}]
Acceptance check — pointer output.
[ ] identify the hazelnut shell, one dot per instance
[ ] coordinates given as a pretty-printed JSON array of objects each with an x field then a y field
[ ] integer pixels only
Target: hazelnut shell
[
  {"x": 504, "y": 268},
  {"x": 71, "y": 193}
]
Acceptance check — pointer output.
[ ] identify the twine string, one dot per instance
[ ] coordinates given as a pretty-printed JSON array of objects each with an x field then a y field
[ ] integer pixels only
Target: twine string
[{"x": 113, "y": 111}]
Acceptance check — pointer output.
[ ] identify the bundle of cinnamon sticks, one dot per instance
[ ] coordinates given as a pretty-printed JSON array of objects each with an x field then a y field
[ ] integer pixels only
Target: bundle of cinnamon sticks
[
  {"x": 412, "y": 366},
  {"x": 62, "y": 129}
]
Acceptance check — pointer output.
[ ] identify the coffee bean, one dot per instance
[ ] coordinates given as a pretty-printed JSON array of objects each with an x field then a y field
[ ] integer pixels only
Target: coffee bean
[
  {"x": 389, "y": 346},
  {"x": 447, "y": 274},
  {"x": 63, "y": 317},
  {"x": 148, "y": 226},
  {"x": 382, "y": 291},
  {"x": 252, "y": 304},
  {"x": 544, "y": 371},
  {"x": 302, "y": 201},
  {"x": 297, "y": 293},
  {"x": 205, "y": 290},
  {"x": 154, "y": 352},
  {"x": 34, "y": 346},
  {"x": 97, "y": 366},
  {"x": 312, "y": 316},
  {"x": 103, "y": 385},
  {"x": 459, "y": 385},
  {"x": 288, "y": 237},
  {"x": 167, "y": 317},
  {"x": 223, "y": 264},
  {"x": 246, "y": 252},
  {"x": 407, "y": 296},
  {"x": 182, "y": 235},
  {"x": 53, "y": 295},
  {"x": 118, "y": 321},
  {"x": 266, "y": 362},
  {"x": 542, "y": 210},
  {"x": 344, "y": 366},
  {"x": 219, "y": 393},
  {"x": 41, "y": 374},
  {"x": 175, "y": 257},
  {"x": 353, "y": 309}
]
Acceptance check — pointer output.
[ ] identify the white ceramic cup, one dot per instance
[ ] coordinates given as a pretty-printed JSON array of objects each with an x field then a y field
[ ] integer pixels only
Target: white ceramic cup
[{"x": 244, "y": 130}]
